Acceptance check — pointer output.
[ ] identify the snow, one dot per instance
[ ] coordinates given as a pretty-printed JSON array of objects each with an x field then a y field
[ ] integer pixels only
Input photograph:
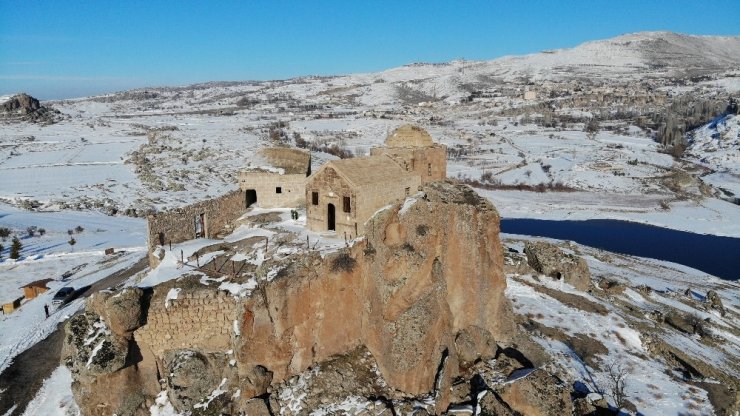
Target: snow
[
  {"x": 55, "y": 396},
  {"x": 162, "y": 406},
  {"x": 215, "y": 393},
  {"x": 27, "y": 325},
  {"x": 239, "y": 289},
  {"x": 171, "y": 295}
]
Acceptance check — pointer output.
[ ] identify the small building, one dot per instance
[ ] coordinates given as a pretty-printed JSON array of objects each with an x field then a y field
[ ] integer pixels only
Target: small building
[
  {"x": 277, "y": 178},
  {"x": 530, "y": 95},
  {"x": 10, "y": 307},
  {"x": 36, "y": 288},
  {"x": 343, "y": 194},
  {"x": 413, "y": 148}
]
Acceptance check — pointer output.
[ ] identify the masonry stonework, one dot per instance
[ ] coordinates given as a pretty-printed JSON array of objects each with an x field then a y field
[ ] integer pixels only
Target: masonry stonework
[
  {"x": 201, "y": 319},
  {"x": 370, "y": 183},
  {"x": 202, "y": 219},
  {"x": 279, "y": 178},
  {"x": 273, "y": 190}
]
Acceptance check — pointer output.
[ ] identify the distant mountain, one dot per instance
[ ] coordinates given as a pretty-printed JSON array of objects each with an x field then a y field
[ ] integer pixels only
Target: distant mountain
[{"x": 662, "y": 56}]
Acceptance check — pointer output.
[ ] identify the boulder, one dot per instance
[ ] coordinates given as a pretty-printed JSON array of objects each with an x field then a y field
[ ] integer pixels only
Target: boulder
[
  {"x": 191, "y": 377},
  {"x": 90, "y": 348},
  {"x": 122, "y": 312},
  {"x": 492, "y": 405},
  {"x": 332, "y": 381},
  {"x": 474, "y": 343},
  {"x": 548, "y": 259},
  {"x": 536, "y": 393},
  {"x": 255, "y": 407},
  {"x": 685, "y": 323},
  {"x": 715, "y": 302}
]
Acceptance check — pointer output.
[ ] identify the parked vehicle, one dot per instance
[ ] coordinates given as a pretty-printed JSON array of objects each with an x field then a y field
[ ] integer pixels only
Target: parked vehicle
[{"x": 63, "y": 296}]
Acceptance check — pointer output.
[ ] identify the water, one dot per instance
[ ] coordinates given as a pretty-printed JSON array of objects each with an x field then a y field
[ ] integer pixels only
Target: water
[{"x": 718, "y": 256}]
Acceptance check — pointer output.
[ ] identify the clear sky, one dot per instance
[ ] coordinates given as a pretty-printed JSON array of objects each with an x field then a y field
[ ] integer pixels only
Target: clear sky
[{"x": 58, "y": 49}]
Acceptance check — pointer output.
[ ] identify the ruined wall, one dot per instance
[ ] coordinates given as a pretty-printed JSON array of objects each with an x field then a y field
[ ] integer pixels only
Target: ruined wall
[
  {"x": 365, "y": 201},
  {"x": 199, "y": 318},
  {"x": 430, "y": 163},
  {"x": 178, "y": 225},
  {"x": 265, "y": 184}
]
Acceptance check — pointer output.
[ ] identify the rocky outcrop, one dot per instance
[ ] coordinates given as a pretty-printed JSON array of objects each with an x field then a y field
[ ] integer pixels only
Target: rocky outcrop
[
  {"x": 23, "y": 107},
  {"x": 421, "y": 295},
  {"x": 537, "y": 393},
  {"x": 21, "y": 104},
  {"x": 548, "y": 259},
  {"x": 715, "y": 302}
]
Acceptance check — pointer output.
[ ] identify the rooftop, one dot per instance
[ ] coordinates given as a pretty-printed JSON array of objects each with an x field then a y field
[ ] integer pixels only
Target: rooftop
[{"x": 409, "y": 136}]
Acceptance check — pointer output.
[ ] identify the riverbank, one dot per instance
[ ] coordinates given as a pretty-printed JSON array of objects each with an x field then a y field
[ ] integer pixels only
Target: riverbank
[{"x": 708, "y": 216}]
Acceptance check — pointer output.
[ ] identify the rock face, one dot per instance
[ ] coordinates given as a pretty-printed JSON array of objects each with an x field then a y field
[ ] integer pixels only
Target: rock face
[
  {"x": 21, "y": 103},
  {"x": 23, "y": 107},
  {"x": 548, "y": 259},
  {"x": 421, "y": 293}
]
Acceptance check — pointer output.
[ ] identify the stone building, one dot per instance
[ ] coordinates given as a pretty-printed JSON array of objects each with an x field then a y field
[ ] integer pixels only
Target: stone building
[
  {"x": 413, "y": 148},
  {"x": 277, "y": 178},
  {"x": 345, "y": 193},
  {"x": 205, "y": 219}
]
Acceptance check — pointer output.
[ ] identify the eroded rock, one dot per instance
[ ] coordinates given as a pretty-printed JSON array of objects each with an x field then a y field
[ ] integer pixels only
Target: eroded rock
[
  {"x": 550, "y": 260},
  {"x": 538, "y": 393},
  {"x": 91, "y": 348}
]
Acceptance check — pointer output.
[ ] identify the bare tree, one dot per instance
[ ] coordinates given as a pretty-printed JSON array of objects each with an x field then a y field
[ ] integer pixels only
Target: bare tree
[{"x": 616, "y": 378}]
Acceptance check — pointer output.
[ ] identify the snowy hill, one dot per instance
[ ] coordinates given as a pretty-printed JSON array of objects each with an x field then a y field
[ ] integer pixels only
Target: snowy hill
[{"x": 152, "y": 148}]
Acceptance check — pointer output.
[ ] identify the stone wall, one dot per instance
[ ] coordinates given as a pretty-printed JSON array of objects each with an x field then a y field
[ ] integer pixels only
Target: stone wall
[
  {"x": 265, "y": 184},
  {"x": 178, "y": 225},
  {"x": 201, "y": 319},
  {"x": 429, "y": 162}
]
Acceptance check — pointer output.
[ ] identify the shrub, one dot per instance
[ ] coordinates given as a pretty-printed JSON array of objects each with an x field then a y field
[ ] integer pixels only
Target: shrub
[
  {"x": 79, "y": 229},
  {"x": 4, "y": 233},
  {"x": 422, "y": 229},
  {"x": 343, "y": 263},
  {"x": 15, "y": 249}
]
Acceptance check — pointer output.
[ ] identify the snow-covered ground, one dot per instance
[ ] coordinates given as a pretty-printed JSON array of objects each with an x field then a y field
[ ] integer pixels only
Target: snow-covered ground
[
  {"x": 50, "y": 256},
  {"x": 55, "y": 396},
  {"x": 652, "y": 384}
]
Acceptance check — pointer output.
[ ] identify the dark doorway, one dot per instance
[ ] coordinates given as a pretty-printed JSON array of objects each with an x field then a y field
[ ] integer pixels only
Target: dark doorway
[
  {"x": 251, "y": 197},
  {"x": 331, "y": 226},
  {"x": 200, "y": 222}
]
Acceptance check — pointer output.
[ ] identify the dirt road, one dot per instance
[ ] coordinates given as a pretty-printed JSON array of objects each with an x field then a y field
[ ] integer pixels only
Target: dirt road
[{"x": 24, "y": 377}]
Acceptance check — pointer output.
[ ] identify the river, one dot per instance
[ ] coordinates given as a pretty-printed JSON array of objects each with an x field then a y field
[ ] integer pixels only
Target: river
[{"x": 718, "y": 256}]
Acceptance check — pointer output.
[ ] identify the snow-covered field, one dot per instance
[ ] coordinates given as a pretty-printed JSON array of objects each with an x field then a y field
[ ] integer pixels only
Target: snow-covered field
[{"x": 652, "y": 384}]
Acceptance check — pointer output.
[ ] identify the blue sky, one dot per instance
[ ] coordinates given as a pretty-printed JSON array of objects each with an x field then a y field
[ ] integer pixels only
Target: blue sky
[{"x": 58, "y": 49}]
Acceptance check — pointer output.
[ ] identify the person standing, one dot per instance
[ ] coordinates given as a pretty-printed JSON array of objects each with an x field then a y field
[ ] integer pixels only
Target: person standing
[{"x": 46, "y": 311}]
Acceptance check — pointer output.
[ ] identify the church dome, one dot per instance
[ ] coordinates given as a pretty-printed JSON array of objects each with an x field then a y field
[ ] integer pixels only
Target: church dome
[{"x": 409, "y": 136}]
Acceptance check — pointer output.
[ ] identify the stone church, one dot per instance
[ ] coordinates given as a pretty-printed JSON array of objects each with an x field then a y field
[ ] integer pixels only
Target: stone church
[{"x": 343, "y": 194}]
